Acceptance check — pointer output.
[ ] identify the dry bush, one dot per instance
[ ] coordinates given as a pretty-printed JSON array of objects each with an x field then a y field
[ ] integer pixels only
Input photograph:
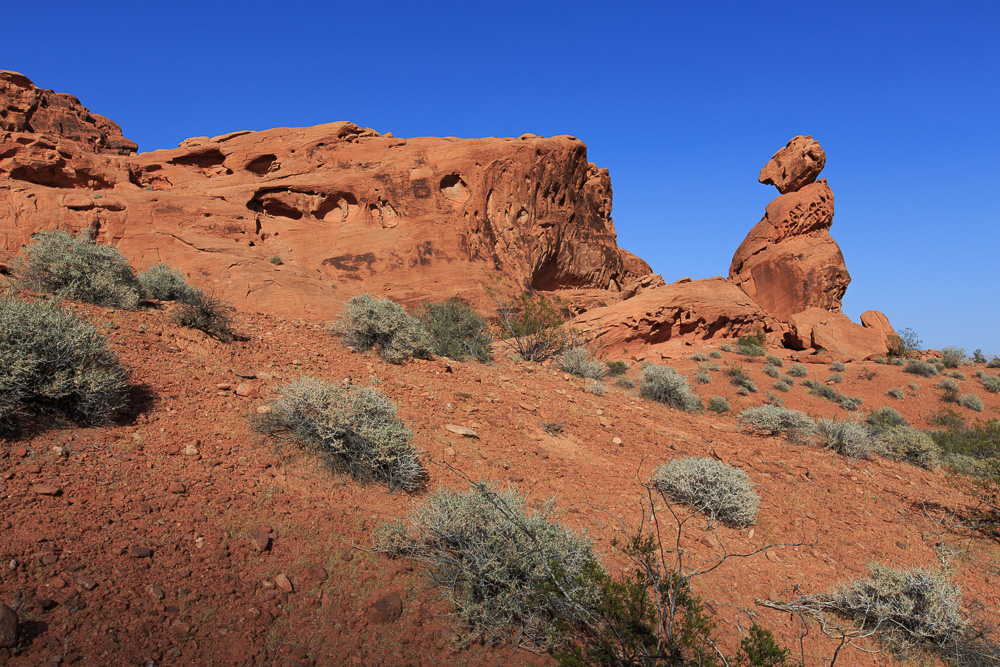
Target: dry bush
[
  {"x": 163, "y": 283},
  {"x": 970, "y": 401},
  {"x": 385, "y": 326},
  {"x": 206, "y": 313},
  {"x": 457, "y": 331},
  {"x": 850, "y": 438},
  {"x": 718, "y": 404},
  {"x": 774, "y": 420},
  {"x": 664, "y": 384},
  {"x": 798, "y": 371},
  {"x": 711, "y": 487},
  {"x": 905, "y": 443},
  {"x": 579, "y": 362}
]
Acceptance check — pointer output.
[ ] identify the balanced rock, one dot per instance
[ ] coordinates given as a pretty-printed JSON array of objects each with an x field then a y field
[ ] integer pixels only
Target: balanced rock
[{"x": 797, "y": 164}]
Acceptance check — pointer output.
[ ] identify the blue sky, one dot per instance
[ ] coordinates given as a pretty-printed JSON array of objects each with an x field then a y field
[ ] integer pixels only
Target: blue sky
[{"x": 684, "y": 102}]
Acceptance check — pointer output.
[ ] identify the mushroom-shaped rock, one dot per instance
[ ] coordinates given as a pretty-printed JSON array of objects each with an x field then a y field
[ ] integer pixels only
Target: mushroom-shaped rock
[{"x": 796, "y": 165}]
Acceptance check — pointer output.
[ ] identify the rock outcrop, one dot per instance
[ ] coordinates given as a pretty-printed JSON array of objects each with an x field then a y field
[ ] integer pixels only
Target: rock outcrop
[
  {"x": 345, "y": 208},
  {"x": 796, "y": 165}
]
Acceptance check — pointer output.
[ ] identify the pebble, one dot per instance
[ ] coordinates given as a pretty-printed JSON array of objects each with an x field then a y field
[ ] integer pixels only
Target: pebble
[
  {"x": 87, "y": 583},
  {"x": 155, "y": 592},
  {"x": 176, "y": 486},
  {"x": 45, "y": 489},
  {"x": 282, "y": 582},
  {"x": 140, "y": 552},
  {"x": 260, "y": 540},
  {"x": 8, "y": 627},
  {"x": 386, "y": 609},
  {"x": 464, "y": 431},
  {"x": 616, "y": 441}
]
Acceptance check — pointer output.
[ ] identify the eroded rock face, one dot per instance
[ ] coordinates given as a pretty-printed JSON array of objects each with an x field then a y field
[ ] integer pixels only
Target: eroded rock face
[
  {"x": 794, "y": 166},
  {"x": 346, "y": 209},
  {"x": 835, "y": 332}
]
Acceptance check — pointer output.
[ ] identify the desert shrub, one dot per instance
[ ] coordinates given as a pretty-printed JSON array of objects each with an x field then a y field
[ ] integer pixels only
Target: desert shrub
[
  {"x": 836, "y": 378},
  {"x": 743, "y": 391},
  {"x": 163, "y": 283},
  {"x": 978, "y": 357},
  {"x": 78, "y": 268},
  {"x": 991, "y": 383},
  {"x": 881, "y": 360},
  {"x": 788, "y": 379},
  {"x": 980, "y": 441},
  {"x": 947, "y": 384},
  {"x": 907, "y": 342},
  {"x": 720, "y": 491},
  {"x": 597, "y": 389},
  {"x": 456, "y": 330},
  {"x": 914, "y": 387},
  {"x": 885, "y": 418},
  {"x": 867, "y": 374},
  {"x": 911, "y": 607},
  {"x": 738, "y": 377},
  {"x": 838, "y": 366},
  {"x": 714, "y": 367},
  {"x": 276, "y": 260},
  {"x": 849, "y": 403},
  {"x": 979, "y": 373},
  {"x": 53, "y": 361},
  {"x": 702, "y": 378},
  {"x": 920, "y": 368},
  {"x": 905, "y": 443},
  {"x": 958, "y": 375},
  {"x": 579, "y": 362},
  {"x": 353, "y": 428},
  {"x": 698, "y": 356},
  {"x": 797, "y": 371},
  {"x": 206, "y": 313},
  {"x": 780, "y": 385},
  {"x": 718, "y": 404},
  {"x": 726, "y": 348},
  {"x": 993, "y": 363},
  {"x": 625, "y": 383},
  {"x": 846, "y": 437},
  {"x": 752, "y": 346},
  {"x": 617, "y": 367},
  {"x": 664, "y": 384},
  {"x": 938, "y": 365},
  {"x": 385, "y": 326},
  {"x": 774, "y": 399},
  {"x": 496, "y": 563},
  {"x": 970, "y": 401},
  {"x": 715, "y": 354},
  {"x": 896, "y": 392},
  {"x": 773, "y": 360},
  {"x": 825, "y": 391},
  {"x": 809, "y": 383},
  {"x": 772, "y": 371},
  {"x": 952, "y": 357},
  {"x": 532, "y": 327},
  {"x": 773, "y": 420}
]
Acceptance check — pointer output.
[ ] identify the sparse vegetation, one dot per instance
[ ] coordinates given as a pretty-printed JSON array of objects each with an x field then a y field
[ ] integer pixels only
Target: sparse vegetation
[
  {"x": 597, "y": 389},
  {"x": 664, "y": 384},
  {"x": 53, "y": 361},
  {"x": 846, "y": 437},
  {"x": 456, "y": 330},
  {"x": 579, "y": 362},
  {"x": 952, "y": 357},
  {"x": 836, "y": 378},
  {"x": 207, "y": 313},
  {"x": 907, "y": 342},
  {"x": 617, "y": 367},
  {"x": 970, "y": 401},
  {"x": 718, "y": 404},
  {"x": 163, "y": 283},
  {"x": 532, "y": 327},
  {"x": 698, "y": 356},
  {"x": 797, "y": 371},
  {"x": 625, "y": 383},
  {"x": 353, "y": 428},
  {"x": 978, "y": 357},
  {"x": 773, "y": 420},
  {"x": 773, "y": 360},
  {"x": 738, "y": 377},
  {"x": 993, "y": 363},
  {"x": 78, "y": 268},
  {"x": 897, "y": 393},
  {"x": 385, "y": 326},
  {"x": 920, "y": 368},
  {"x": 720, "y": 491}
]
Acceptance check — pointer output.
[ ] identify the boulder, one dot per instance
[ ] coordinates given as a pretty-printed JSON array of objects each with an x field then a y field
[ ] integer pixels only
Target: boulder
[
  {"x": 794, "y": 166},
  {"x": 8, "y": 627},
  {"x": 835, "y": 332}
]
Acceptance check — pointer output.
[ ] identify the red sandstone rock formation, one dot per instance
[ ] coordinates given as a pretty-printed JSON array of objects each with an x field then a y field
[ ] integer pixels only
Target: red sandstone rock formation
[
  {"x": 347, "y": 209},
  {"x": 794, "y": 166}
]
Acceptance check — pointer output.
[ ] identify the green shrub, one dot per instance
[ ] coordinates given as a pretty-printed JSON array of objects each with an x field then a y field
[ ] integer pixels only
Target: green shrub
[
  {"x": 958, "y": 375},
  {"x": 208, "y": 314},
  {"x": 849, "y": 403},
  {"x": 780, "y": 385},
  {"x": 353, "y": 428},
  {"x": 952, "y": 357},
  {"x": 991, "y": 383},
  {"x": 743, "y": 391},
  {"x": 970, "y": 401},
  {"x": 78, "y": 268},
  {"x": 53, "y": 361},
  {"x": 773, "y": 360},
  {"x": 908, "y": 342},
  {"x": 981, "y": 441},
  {"x": 797, "y": 371},
  {"x": 715, "y": 354},
  {"x": 702, "y": 378},
  {"x": 896, "y": 392},
  {"x": 718, "y": 404},
  {"x": 836, "y": 378},
  {"x": 496, "y": 563},
  {"x": 726, "y": 348},
  {"x": 978, "y": 357},
  {"x": 993, "y": 363},
  {"x": 276, "y": 260},
  {"x": 456, "y": 330},
  {"x": 774, "y": 399},
  {"x": 846, "y": 437},
  {"x": 617, "y": 367},
  {"x": 914, "y": 387},
  {"x": 825, "y": 391},
  {"x": 625, "y": 383},
  {"x": 905, "y": 443},
  {"x": 579, "y": 362},
  {"x": 838, "y": 366},
  {"x": 772, "y": 420},
  {"x": 920, "y": 368},
  {"x": 711, "y": 487},
  {"x": 714, "y": 367},
  {"x": 881, "y": 360},
  {"x": 885, "y": 418},
  {"x": 738, "y": 377},
  {"x": 772, "y": 371},
  {"x": 664, "y": 384},
  {"x": 163, "y": 283},
  {"x": 384, "y": 325},
  {"x": 698, "y": 356},
  {"x": 532, "y": 326},
  {"x": 788, "y": 379}
]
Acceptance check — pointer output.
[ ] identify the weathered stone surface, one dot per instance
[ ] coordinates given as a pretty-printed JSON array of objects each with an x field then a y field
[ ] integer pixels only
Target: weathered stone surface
[
  {"x": 797, "y": 164},
  {"x": 789, "y": 262},
  {"x": 346, "y": 209},
  {"x": 700, "y": 309},
  {"x": 835, "y": 332},
  {"x": 8, "y": 627},
  {"x": 386, "y": 609}
]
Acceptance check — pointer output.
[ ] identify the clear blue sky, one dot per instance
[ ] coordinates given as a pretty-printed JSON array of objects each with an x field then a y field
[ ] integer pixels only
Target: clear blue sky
[{"x": 684, "y": 102}]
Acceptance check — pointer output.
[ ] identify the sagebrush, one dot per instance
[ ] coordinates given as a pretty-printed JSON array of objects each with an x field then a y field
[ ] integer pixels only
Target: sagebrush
[{"x": 711, "y": 487}]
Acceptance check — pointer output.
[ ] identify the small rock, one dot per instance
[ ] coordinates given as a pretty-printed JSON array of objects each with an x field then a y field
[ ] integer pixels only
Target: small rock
[
  {"x": 386, "y": 609},
  {"x": 176, "y": 486},
  {"x": 8, "y": 627},
  {"x": 86, "y": 583},
  {"x": 155, "y": 592},
  {"x": 616, "y": 441},
  {"x": 60, "y": 451},
  {"x": 223, "y": 386},
  {"x": 282, "y": 582},
  {"x": 140, "y": 552},
  {"x": 45, "y": 489},
  {"x": 50, "y": 558},
  {"x": 461, "y": 430},
  {"x": 246, "y": 391},
  {"x": 32, "y": 468},
  {"x": 263, "y": 409},
  {"x": 191, "y": 450},
  {"x": 245, "y": 374},
  {"x": 260, "y": 539}
]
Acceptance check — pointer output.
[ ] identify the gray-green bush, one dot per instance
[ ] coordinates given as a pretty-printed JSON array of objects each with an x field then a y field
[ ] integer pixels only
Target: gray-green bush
[
  {"x": 456, "y": 330},
  {"x": 207, "y": 313},
  {"x": 896, "y": 392},
  {"x": 698, "y": 356},
  {"x": 579, "y": 362},
  {"x": 664, "y": 384},
  {"x": 738, "y": 377},
  {"x": 970, "y": 401},
  {"x": 385, "y": 326},
  {"x": 846, "y": 437},
  {"x": 493, "y": 561},
  {"x": 773, "y": 360},
  {"x": 711, "y": 487},
  {"x": 797, "y": 371},
  {"x": 715, "y": 354},
  {"x": 920, "y": 368},
  {"x": 836, "y": 378},
  {"x": 781, "y": 385},
  {"x": 772, "y": 371},
  {"x": 991, "y": 383},
  {"x": 353, "y": 428},
  {"x": 952, "y": 357},
  {"x": 838, "y": 366},
  {"x": 53, "y": 361},
  {"x": 885, "y": 418},
  {"x": 163, "y": 283},
  {"x": 702, "y": 378},
  {"x": 718, "y": 404},
  {"x": 78, "y": 268},
  {"x": 773, "y": 420},
  {"x": 905, "y": 443}
]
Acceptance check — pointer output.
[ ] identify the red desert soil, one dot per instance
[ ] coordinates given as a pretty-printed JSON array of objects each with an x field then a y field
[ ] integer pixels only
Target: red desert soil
[{"x": 149, "y": 548}]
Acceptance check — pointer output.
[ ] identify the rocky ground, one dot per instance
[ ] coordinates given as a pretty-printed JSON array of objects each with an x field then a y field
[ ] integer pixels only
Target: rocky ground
[{"x": 178, "y": 536}]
